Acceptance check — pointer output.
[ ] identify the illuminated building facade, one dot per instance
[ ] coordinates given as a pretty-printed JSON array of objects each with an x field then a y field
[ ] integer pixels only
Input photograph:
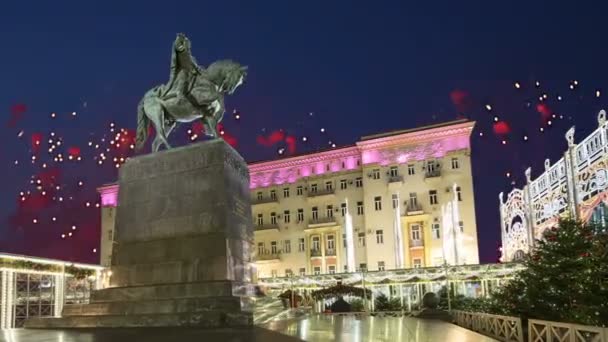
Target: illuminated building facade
[
  {"x": 38, "y": 287},
  {"x": 576, "y": 185},
  {"x": 391, "y": 201}
]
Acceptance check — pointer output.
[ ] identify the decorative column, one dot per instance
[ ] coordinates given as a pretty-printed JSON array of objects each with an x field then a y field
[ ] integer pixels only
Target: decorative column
[
  {"x": 59, "y": 293},
  {"x": 571, "y": 161},
  {"x": 529, "y": 212},
  {"x": 323, "y": 263},
  {"x": 398, "y": 241},
  {"x": 7, "y": 297}
]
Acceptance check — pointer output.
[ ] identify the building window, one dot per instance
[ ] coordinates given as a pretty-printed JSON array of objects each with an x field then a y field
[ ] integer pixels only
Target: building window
[
  {"x": 316, "y": 243},
  {"x": 273, "y": 218},
  {"x": 376, "y": 173},
  {"x": 331, "y": 243},
  {"x": 315, "y": 213},
  {"x": 313, "y": 188},
  {"x": 317, "y": 270},
  {"x": 393, "y": 171},
  {"x": 300, "y": 215},
  {"x": 343, "y": 184},
  {"x": 343, "y": 209},
  {"x": 379, "y": 236},
  {"x": 286, "y": 192},
  {"x": 415, "y": 232},
  {"x": 331, "y": 269},
  {"x": 461, "y": 226},
  {"x": 344, "y": 240},
  {"x": 110, "y": 235},
  {"x": 413, "y": 200},
  {"x": 361, "y": 239},
  {"x": 433, "y": 197},
  {"x": 410, "y": 170},
  {"x": 286, "y": 216},
  {"x": 273, "y": 247},
  {"x": 273, "y": 273},
  {"x": 458, "y": 193},
  {"x": 417, "y": 263},
  {"x": 273, "y": 194},
  {"x": 260, "y": 195},
  {"x": 395, "y": 198},
  {"x": 288, "y": 272},
  {"x": 330, "y": 211},
  {"x": 260, "y": 219},
  {"x": 261, "y": 248},
  {"x": 455, "y": 163},
  {"x": 302, "y": 272},
  {"x": 436, "y": 231},
  {"x": 363, "y": 267},
  {"x": 299, "y": 190},
  {"x": 329, "y": 186},
  {"x": 380, "y": 265},
  {"x": 359, "y": 208},
  {"x": 378, "y": 203},
  {"x": 358, "y": 182},
  {"x": 287, "y": 246},
  {"x": 301, "y": 245}
]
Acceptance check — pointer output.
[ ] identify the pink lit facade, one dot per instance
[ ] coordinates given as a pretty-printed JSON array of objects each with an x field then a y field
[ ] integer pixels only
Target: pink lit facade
[{"x": 394, "y": 185}]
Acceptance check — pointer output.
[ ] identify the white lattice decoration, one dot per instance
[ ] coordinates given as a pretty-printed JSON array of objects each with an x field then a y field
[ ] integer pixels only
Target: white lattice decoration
[
  {"x": 592, "y": 181},
  {"x": 503, "y": 328},
  {"x": 515, "y": 223},
  {"x": 547, "y": 331}
]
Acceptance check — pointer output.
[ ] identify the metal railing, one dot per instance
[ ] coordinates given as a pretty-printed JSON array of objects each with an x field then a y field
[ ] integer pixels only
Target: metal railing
[
  {"x": 266, "y": 226},
  {"x": 412, "y": 208},
  {"x": 269, "y": 256},
  {"x": 395, "y": 179},
  {"x": 322, "y": 220},
  {"x": 330, "y": 252},
  {"x": 502, "y": 328},
  {"x": 264, "y": 200},
  {"x": 321, "y": 192},
  {"x": 315, "y": 253},
  {"x": 432, "y": 173}
]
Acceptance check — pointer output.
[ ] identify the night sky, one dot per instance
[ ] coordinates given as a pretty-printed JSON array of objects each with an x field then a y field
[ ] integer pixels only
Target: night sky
[{"x": 358, "y": 67}]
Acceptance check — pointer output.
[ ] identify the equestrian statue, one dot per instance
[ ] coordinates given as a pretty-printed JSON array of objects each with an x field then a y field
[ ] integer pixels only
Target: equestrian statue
[{"x": 192, "y": 93}]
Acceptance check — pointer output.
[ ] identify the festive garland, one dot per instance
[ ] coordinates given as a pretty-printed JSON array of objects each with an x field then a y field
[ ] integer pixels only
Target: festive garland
[
  {"x": 78, "y": 273},
  {"x": 341, "y": 290},
  {"x": 29, "y": 265}
]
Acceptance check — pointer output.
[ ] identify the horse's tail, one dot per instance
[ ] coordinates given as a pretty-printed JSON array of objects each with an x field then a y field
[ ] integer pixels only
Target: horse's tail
[{"x": 143, "y": 124}]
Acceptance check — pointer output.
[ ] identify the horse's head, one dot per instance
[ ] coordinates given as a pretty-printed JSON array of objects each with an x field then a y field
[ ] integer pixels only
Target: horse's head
[
  {"x": 227, "y": 75},
  {"x": 182, "y": 43}
]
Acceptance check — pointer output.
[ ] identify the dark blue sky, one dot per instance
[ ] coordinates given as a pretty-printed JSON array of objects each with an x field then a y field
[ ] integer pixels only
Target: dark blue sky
[{"x": 361, "y": 67}]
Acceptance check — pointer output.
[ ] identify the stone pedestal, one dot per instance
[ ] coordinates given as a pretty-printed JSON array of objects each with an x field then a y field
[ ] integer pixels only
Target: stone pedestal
[{"x": 183, "y": 243}]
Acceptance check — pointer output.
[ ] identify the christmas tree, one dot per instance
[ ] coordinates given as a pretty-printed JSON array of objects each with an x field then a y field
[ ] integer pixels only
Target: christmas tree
[{"x": 565, "y": 280}]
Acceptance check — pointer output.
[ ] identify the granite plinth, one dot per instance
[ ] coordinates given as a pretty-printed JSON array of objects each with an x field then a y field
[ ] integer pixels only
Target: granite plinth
[{"x": 183, "y": 242}]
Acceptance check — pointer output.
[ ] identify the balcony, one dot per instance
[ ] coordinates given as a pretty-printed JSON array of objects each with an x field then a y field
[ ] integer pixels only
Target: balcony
[
  {"x": 315, "y": 253},
  {"x": 266, "y": 200},
  {"x": 432, "y": 173},
  {"x": 268, "y": 256},
  {"x": 395, "y": 179},
  {"x": 267, "y": 227},
  {"x": 330, "y": 252},
  {"x": 395, "y": 182},
  {"x": 321, "y": 194},
  {"x": 322, "y": 222},
  {"x": 413, "y": 209},
  {"x": 416, "y": 243}
]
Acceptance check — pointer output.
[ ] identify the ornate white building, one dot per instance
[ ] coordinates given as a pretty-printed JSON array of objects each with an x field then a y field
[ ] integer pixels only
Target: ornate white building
[
  {"x": 574, "y": 186},
  {"x": 397, "y": 200}
]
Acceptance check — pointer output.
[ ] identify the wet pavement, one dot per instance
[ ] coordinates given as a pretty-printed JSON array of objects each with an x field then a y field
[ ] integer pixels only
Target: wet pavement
[{"x": 317, "y": 328}]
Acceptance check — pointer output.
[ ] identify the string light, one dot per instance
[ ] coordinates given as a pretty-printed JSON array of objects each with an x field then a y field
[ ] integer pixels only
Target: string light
[{"x": 517, "y": 85}]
